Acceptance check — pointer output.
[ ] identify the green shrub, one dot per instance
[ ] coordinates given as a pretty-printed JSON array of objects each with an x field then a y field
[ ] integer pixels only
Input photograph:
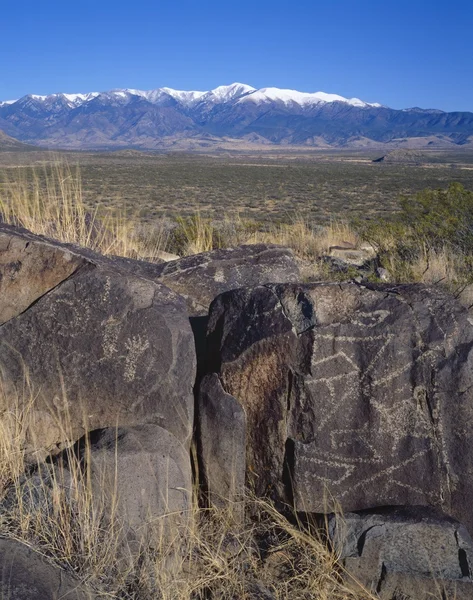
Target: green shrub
[
  {"x": 433, "y": 231},
  {"x": 440, "y": 218}
]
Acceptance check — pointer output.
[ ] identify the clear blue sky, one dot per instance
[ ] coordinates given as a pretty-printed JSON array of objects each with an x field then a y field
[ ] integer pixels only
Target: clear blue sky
[{"x": 400, "y": 53}]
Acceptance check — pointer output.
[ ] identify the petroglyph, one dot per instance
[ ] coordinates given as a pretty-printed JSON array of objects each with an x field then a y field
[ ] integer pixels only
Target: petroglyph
[
  {"x": 106, "y": 290},
  {"x": 110, "y": 338},
  {"x": 361, "y": 377},
  {"x": 136, "y": 346}
]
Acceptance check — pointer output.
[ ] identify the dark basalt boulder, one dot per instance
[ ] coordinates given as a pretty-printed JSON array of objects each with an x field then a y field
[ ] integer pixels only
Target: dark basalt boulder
[
  {"x": 202, "y": 277},
  {"x": 362, "y": 395},
  {"x": 144, "y": 472},
  {"x": 89, "y": 342},
  {"x": 28, "y": 575},
  {"x": 408, "y": 552}
]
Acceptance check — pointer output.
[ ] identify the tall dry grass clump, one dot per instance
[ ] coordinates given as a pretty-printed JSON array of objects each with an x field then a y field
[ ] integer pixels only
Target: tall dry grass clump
[
  {"x": 50, "y": 202},
  {"x": 309, "y": 241},
  {"x": 54, "y": 507}
]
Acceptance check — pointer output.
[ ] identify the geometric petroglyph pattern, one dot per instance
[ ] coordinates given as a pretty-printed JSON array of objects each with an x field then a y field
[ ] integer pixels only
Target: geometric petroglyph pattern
[{"x": 364, "y": 419}]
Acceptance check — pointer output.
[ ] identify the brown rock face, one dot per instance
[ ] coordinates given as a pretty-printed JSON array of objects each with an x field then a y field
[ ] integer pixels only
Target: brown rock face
[
  {"x": 91, "y": 344},
  {"x": 29, "y": 270},
  {"x": 354, "y": 394}
]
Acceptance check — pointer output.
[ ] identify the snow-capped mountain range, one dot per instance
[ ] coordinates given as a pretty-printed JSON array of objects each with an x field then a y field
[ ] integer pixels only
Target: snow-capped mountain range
[
  {"x": 151, "y": 119},
  {"x": 224, "y": 93}
]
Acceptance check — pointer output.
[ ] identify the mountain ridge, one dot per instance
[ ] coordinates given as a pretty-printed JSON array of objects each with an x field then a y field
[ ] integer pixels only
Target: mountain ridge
[{"x": 153, "y": 118}]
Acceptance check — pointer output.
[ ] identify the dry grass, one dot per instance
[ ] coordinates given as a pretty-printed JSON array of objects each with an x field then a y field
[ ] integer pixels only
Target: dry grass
[
  {"x": 438, "y": 266},
  {"x": 307, "y": 241},
  {"x": 61, "y": 513},
  {"x": 50, "y": 202}
]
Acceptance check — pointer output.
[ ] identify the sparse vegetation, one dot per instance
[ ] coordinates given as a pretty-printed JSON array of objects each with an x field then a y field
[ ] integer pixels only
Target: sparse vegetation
[
  {"x": 430, "y": 239},
  {"x": 62, "y": 515},
  {"x": 270, "y": 188}
]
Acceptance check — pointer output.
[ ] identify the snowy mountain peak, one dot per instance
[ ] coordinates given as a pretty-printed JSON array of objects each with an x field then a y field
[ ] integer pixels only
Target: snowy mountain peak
[
  {"x": 78, "y": 99},
  {"x": 186, "y": 97},
  {"x": 235, "y": 92},
  {"x": 288, "y": 97},
  {"x": 228, "y": 92}
]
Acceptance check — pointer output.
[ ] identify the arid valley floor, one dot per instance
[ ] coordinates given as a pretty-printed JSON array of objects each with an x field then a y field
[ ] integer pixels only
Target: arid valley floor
[{"x": 276, "y": 185}]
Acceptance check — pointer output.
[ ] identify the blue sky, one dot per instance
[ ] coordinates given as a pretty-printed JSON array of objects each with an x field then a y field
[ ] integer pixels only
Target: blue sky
[{"x": 400, "y": 53}]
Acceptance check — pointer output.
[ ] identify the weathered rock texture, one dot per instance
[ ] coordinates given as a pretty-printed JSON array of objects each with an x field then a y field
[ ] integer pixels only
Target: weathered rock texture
[
  {"x": 222, "y": 424},
  {"x": 202, "y": 277},
  {"x": 144, "y": 471},
  {"x": 360, "y": 395},
  {"x": 27, "y": 575},
  {"x": 397, "y": 550},
  {"x": 97, "y": 342}
]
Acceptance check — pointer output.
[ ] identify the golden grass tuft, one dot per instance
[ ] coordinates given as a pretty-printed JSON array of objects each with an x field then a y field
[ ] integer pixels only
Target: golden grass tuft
[
  {"x": 61, "y": 514},
  {"x": 309, "y": 242},
  {"x": 50, "y": 202}
]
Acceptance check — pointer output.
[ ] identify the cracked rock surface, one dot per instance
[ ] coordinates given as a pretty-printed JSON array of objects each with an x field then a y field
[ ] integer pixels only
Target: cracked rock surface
[
  {"x": 27, "y": 575},
  {"x": 401, "y": 548},
  {"x": 202, "y": 277},
  {"x": 358, "y": 394}
]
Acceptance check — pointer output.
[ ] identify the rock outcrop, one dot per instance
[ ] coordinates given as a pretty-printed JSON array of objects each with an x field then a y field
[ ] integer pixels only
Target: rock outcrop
[
  {"x": 27, "y": 575},
  {"x": 202, "y": 277},
  {"x": 88, "y": 343},
  {"x": 318, "y": 395},
  {"x": 352, "y": 393},
  {"x": 393, "y": 552}
]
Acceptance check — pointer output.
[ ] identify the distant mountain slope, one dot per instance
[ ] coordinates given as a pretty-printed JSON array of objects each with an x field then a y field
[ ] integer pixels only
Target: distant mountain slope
[
  {"x": 145, "y": 119},
  {"x": 9, "y": 144}
]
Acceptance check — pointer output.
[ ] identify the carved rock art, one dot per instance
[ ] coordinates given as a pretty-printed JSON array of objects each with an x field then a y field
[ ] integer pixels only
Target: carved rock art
[
  {"x": 92, "y": 344},
  {"x": 353, "y": 394}
]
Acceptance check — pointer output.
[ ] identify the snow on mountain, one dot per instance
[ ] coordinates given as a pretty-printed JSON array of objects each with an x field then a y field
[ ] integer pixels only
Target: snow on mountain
[
  {"x": 78, "y": 99},
  {"x": 186, "y": 98},
  {"x": 287, "y": 97},
  {"x": 224, "y": 93},
  {"x": 139, "y": 118},
  {"x": 236, "y": 92}
]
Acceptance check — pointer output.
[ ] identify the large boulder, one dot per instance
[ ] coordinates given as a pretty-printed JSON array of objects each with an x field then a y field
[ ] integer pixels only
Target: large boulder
[
  {"x": 202, "y": 277},
  {"x": 144, "y": 472},
  {"x": 89, "y": 343},
  {"x": 362, "y": 395},
  {"x": 28, "y": 575},
  {"x": 404, "y": 552}
]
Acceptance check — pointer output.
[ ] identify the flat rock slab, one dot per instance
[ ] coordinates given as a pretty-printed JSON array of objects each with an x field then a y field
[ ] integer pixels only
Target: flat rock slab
[
  {"x": 407, "y": 550},
  {"x": 100, "y": 345},
  {"x": 222, "y": 429},
  {"x": 202, "y": 277},
  {"x": 359, "y": 394},
  {"x": 26, "y": 575},
  {"x": 29, "y": 270}
]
